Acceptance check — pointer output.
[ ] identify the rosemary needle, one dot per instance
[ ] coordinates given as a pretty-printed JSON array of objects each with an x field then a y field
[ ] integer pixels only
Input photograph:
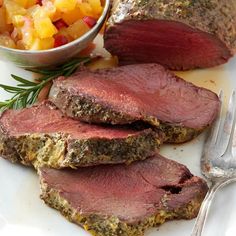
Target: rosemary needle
[{"x": 26, "y": 92}]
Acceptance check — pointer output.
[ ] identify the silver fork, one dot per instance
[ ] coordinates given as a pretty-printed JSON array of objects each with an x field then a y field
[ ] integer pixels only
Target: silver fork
[{"x": 218, "y": 161}]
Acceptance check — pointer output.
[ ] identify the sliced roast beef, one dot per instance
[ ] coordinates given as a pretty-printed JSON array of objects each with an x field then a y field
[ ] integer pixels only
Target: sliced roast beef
[
  {"x": 41, "y": 135},
  {"x": 142, "y": 92},
  {"x": 124, "y": 200},
  {"x": 180, "y": 35}
]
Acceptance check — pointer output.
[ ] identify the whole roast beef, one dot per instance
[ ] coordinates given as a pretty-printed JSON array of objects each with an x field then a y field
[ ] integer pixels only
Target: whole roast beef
[
  {"x": 141, "y": 92},
  {"x": 123, "y": 200},
  {"x": 180, "y": 35},
  {"x": 42, "y": 136}
]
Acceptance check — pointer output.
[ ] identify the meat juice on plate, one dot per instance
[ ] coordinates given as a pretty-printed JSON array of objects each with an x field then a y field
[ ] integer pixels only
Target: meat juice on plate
[{"x": 214, "y": 79}]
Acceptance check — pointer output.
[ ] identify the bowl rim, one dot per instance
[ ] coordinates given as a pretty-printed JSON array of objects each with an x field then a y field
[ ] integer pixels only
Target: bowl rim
[{"x": 70, "y": 44}]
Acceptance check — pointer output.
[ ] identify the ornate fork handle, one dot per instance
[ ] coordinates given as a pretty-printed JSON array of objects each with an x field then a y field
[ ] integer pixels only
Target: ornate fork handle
[{"x": 206, "y": 204}]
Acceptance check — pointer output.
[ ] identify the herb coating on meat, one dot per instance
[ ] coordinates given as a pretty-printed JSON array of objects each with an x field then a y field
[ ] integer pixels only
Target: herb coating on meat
[
  {"x": 55, "y": 151},
  {"x": 180, "y": 200}
]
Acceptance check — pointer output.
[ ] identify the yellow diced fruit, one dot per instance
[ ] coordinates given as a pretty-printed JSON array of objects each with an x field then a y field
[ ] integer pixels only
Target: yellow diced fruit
[
  {"x": 44, "y": 27},
  {"x": 17, "y": 33},
  {"x": 37, "y": 12},
  {"x": 96, "y": 6},
  {"x": 22, "y": 3},
  {"x": 28, "y": 37},
  {"x": 86, "y": 9},
  {"x": 42, "y": 44},
  {"x": 71, "y": 17},
  {"x": 7, "y": 41},
  {"x": 12, "y": 9},
  {"x": 18, "y": 20},
  {"x": 31, "y": 11},
  {"x": 65, "y": 5},
  {"x": 49, "y": 8},
  {"x": 77, "y": 29}
]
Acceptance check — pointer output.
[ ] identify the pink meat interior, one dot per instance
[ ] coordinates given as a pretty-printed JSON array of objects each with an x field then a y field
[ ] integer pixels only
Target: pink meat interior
[
  {"x": 172, "y": 44},
  {"x": 144, "y": 90},
  {"x": 130, "y": 192},
  {"x": 44, "y": 118}
]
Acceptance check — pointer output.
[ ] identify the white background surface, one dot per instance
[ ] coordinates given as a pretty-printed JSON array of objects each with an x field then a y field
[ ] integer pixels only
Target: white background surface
[{"x": 22, "y": 213}]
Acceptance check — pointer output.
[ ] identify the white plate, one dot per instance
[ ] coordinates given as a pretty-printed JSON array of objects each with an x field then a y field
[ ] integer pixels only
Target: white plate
[{"x": 22, "y": 213}]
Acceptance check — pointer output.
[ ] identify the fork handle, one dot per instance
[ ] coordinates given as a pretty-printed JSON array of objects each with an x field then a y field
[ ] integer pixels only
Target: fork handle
[{"x": 206, "y": 204}]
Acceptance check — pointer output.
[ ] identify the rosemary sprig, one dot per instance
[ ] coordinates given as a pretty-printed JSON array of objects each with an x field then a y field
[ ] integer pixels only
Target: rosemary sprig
[{"x": 26, "y": 92}]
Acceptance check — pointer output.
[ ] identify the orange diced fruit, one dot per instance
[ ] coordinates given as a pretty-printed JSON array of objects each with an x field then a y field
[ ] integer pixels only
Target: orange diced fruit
[
  {"x": 44, "y": 27},
  {"x": 42, "y": 44},
  {"x": 77, "y": 29},
  {"x": 3, "y": 23},
  {"x": 22, "y": 3},
  {"x": 31, "y": 3},
  {"x": 7, "y": 41},
  {"x": 71, "y": 17},
  {"x": 96, "y": 6},
  {"x": 56, "y": 16},
  {"x": 12, "y": 9},
  {"x": 65, "y": 5},
  {"x": 86, "y": 9}
]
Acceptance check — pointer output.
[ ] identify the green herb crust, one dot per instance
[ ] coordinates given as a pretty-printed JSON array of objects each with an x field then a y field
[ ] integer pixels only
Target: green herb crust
[
  {"x": 216, "y": 17},
  {"x": 58, "y": 150},
  {"x": 178, "y": 134},
  {"x": 86, "y": 109},
  {"x": 99, "y": 225}
]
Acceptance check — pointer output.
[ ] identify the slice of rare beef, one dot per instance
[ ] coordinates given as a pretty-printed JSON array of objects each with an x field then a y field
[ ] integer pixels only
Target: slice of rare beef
[
  {"x": 41, "y": 135},
  {"x": 180, "y": 35},
  {"x": 142, "y": 92},
  {"x": 124, "y": 200}
]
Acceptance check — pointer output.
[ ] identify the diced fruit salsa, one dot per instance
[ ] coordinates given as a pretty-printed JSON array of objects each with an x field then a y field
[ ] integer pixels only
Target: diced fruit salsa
[{"x": 45, "y": 24}]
